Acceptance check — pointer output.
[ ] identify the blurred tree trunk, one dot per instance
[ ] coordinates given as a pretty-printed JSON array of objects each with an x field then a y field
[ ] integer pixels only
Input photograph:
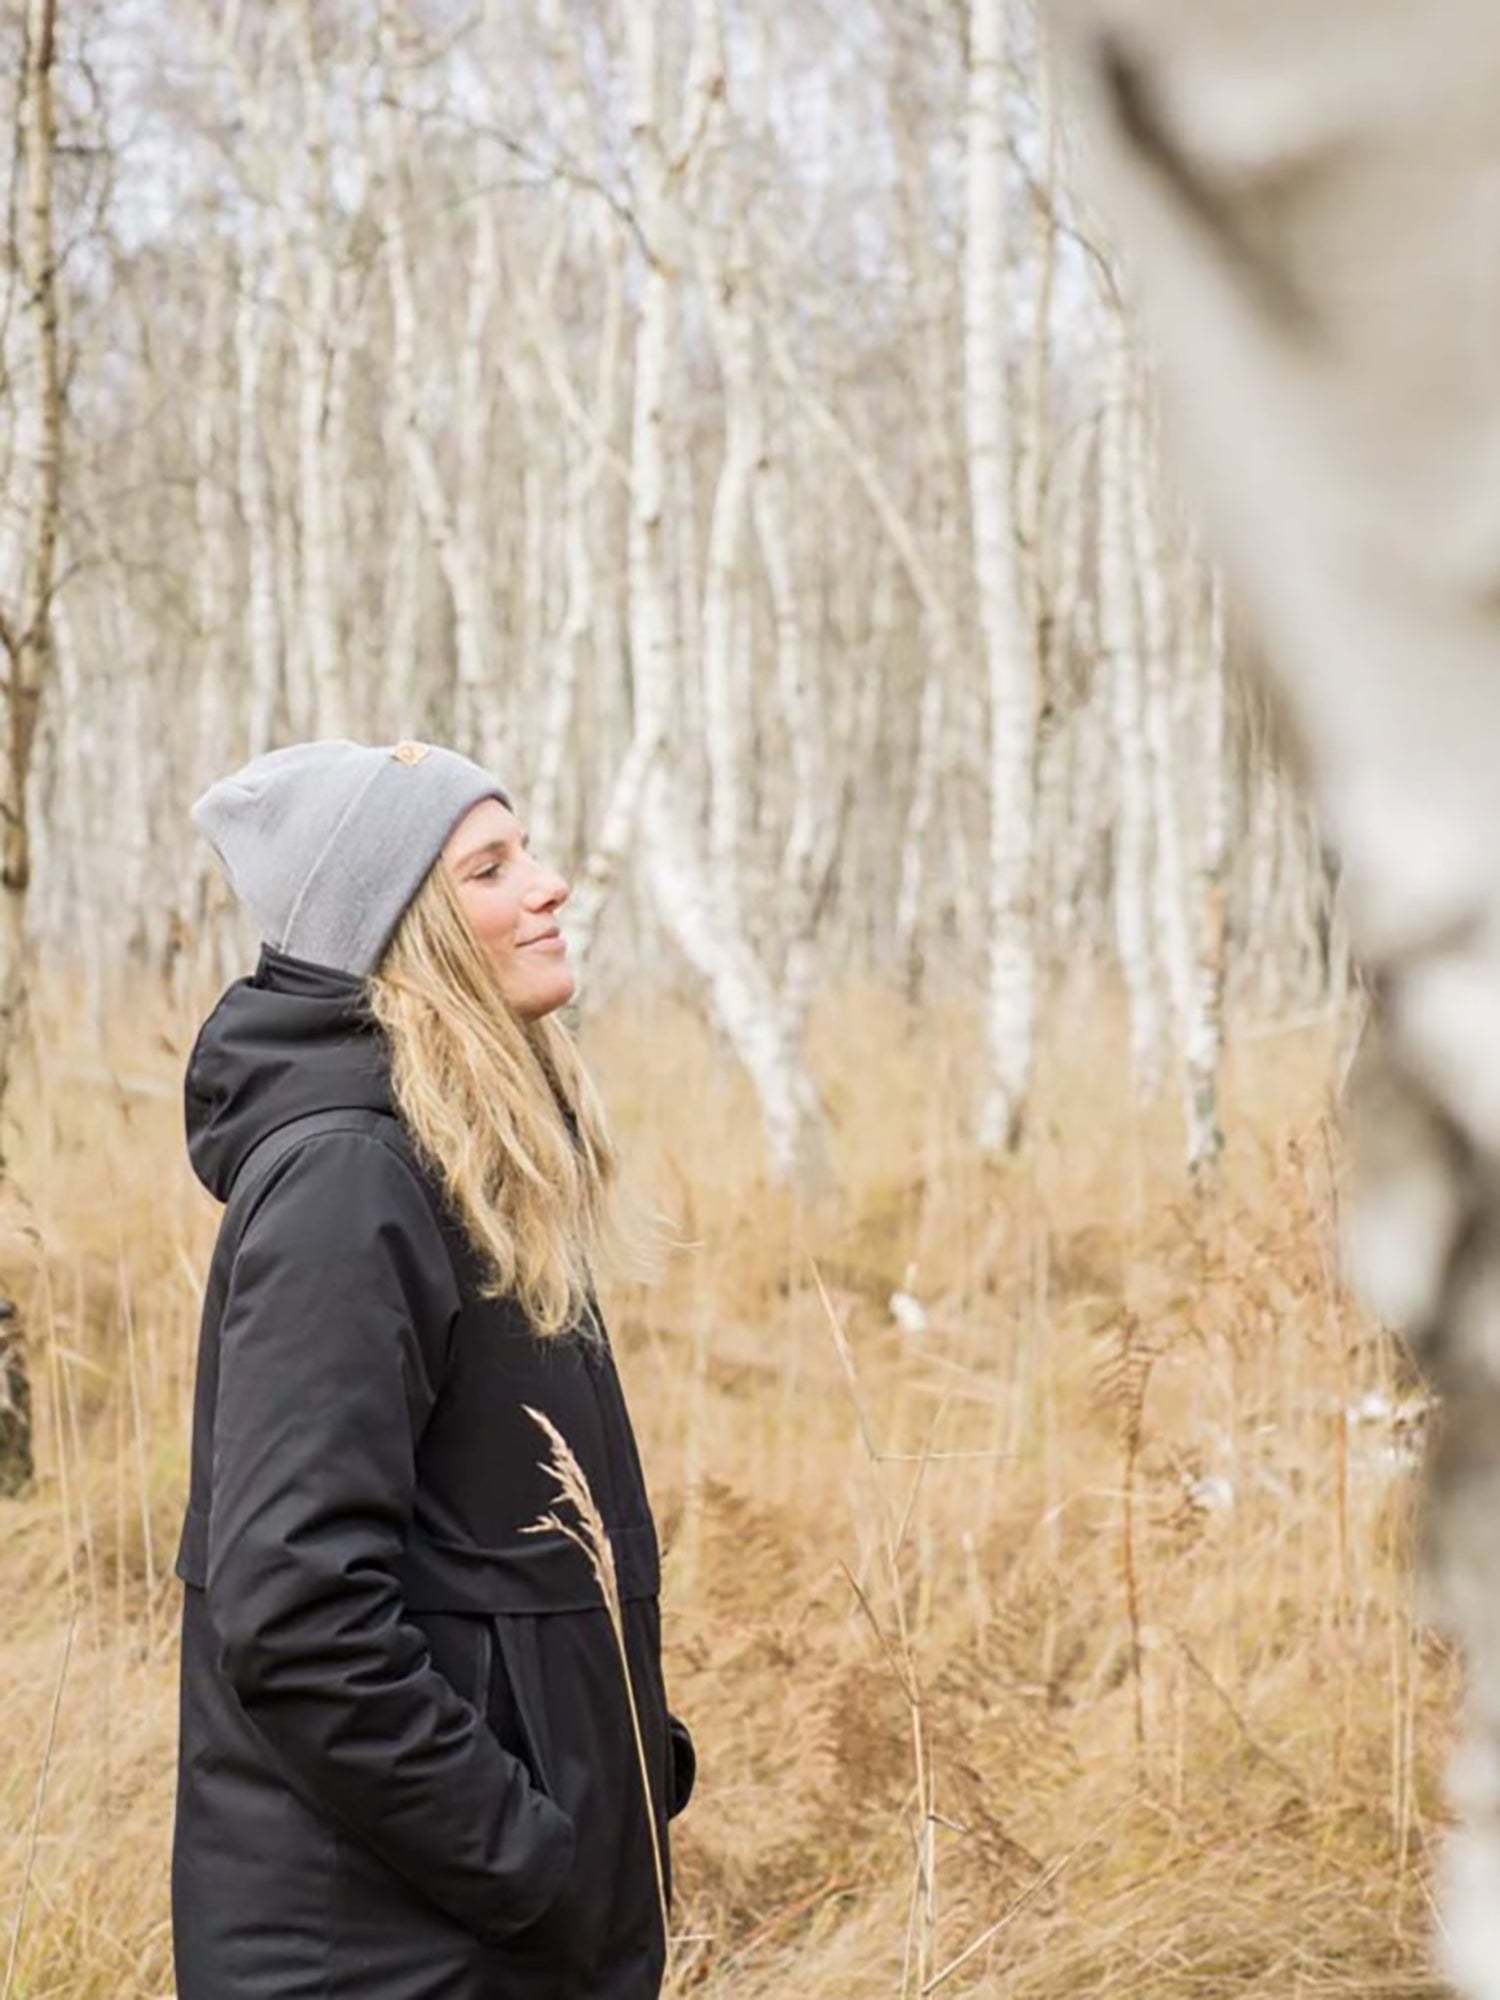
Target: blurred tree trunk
[{"x": 1307, "y": 192}]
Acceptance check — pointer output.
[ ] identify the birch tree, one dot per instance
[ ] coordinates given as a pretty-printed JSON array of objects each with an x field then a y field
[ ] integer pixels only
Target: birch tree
[
  {"x": 1120, "y": 636},
  {"x": 1007, "y": 636},
  {"x": 32, "y": 377},
  {"x": 34, "y": 500},
  {"x": 1301, "y": 187}
]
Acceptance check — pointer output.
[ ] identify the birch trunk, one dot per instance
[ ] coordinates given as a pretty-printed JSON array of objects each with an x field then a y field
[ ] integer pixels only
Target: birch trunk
[
  {"x": 798, "y": 890},
  {"x": 1205, "y": 1036},
  {"x": 319, "y": 613},
  {"x": 951, "y": 728},
  {"x": 1298, "y": 185},
  {"x": 725, "y": 280},
  {"x": 587, "y": 458},
  {"x": 1033, "y": 453},
  {"x": 26, "y": 636},
  {"x": 262, "y": 619},
  {"x": 652, "y": 661},
  {"x": 213, "y": 571},
  {"x": 26, "y": 632},
  {"x": 1168, "y": 899},
  {"x": 1120, "y": 636},
  {"x": 1007, "y": 635}
]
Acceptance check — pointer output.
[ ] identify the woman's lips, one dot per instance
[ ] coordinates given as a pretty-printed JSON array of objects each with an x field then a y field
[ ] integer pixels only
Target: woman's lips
[{"x": 554, "y": 941}]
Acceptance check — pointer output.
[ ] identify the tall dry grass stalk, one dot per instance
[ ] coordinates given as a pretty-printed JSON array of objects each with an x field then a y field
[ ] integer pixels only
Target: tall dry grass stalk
[
  {"x": 592, "y": 1537},
  {"x": 13, "y": 1957},
  {"x": 916, "y": 1960}
]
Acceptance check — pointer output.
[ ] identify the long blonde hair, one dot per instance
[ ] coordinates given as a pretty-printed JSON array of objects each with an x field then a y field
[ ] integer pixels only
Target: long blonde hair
[{"x": 487, "y": 1097}]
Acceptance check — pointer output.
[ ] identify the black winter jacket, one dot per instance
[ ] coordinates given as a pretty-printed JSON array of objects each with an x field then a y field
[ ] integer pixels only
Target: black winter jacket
[{"x": 406, "y": 1765}]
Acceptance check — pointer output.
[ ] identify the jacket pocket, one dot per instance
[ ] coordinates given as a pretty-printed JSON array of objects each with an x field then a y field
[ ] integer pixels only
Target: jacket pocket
[{"x": 512, "y": 1702}]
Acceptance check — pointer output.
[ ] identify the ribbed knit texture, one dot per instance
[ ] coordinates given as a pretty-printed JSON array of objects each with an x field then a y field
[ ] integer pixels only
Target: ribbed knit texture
[{"x": 327, "y": 842}]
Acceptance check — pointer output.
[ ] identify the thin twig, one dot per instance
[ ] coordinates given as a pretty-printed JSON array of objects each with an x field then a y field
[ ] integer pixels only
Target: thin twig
[{"x": 1033, "y": 1889}]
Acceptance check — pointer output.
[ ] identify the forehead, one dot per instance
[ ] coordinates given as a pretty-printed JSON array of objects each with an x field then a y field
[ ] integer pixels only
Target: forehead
[{"x": 488, "y": 819}]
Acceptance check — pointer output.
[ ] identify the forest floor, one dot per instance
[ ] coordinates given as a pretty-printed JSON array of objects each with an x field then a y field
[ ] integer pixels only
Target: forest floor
[{"x": 1065, "y": 1647}]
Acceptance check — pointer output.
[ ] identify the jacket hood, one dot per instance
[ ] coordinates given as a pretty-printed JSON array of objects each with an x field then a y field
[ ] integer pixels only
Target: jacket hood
[{"x": 291, "y": 1037}]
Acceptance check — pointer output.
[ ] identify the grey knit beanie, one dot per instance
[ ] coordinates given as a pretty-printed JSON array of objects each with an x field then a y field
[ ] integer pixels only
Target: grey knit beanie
[{"x": 327, "y": 842}]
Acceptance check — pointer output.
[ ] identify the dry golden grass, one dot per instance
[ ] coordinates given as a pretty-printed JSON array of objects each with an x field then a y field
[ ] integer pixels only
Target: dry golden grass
[{"x": 990, "y": 1696}]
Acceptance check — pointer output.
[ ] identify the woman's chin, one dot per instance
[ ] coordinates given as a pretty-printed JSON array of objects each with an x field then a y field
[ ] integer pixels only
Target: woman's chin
[
  {"x": 542, "y": 996},
  {"x": 566, "y": 985}
]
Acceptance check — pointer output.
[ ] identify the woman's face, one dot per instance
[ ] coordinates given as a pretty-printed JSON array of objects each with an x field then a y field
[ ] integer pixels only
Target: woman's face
[{"x": 512, "y": 901}]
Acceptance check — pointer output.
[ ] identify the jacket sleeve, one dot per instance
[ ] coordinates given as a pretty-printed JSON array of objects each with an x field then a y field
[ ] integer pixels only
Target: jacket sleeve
[
  {"x": 684, "y": 1764},
  {"x": 336, "y": 1320}
]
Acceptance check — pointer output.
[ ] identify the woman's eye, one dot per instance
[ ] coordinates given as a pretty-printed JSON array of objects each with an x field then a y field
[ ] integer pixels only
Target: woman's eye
[{"x": 481, "y": 874}]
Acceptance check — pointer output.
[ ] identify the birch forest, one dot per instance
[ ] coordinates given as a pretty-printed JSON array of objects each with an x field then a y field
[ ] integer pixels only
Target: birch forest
[
  {"x": 722, "y": 421},
  {"x": 752, "y": 430}
]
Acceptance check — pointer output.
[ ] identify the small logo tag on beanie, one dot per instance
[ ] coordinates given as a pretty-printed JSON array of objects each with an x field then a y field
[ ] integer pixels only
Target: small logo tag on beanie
[{"x": 409, "y": 752}]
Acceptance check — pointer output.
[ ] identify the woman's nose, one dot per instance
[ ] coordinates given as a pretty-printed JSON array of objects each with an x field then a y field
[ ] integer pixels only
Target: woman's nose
[{"x": 552, "y": 892}]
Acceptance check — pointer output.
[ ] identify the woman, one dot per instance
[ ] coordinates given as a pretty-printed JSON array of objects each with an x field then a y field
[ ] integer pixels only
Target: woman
[{"x": 410, "y": 1764}]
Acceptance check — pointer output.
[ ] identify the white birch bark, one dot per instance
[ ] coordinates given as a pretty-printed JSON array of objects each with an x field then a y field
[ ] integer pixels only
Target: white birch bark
[
  {"x": 1168, "y": 897},
  {"x": 652, "y": 660},
  {"x": 1205, "y": 1029},
  {"x": 301, "y": 706},
  {"x": 1006, "y": 632},
  {"x": 401, "y": 600},
  {"x": 804, "y": 854},
  {"x": 1119, "y": 632},
  {"x": 28, "y": 561},
  {"x": 952, "y": 722},
  {"x": 587, "y": 458},
  {"x": 316, "y": 334},
  {"x": 1073, "y": 770},
  {"x": 725, "y": 280},
  {"x": 78, "y": 831},
  {"x": 1263, "y": 850},
  {"x": 213, "y": 575},
  {"x": 262, "y": 618},
  {"x": 1034, "y": 440}
]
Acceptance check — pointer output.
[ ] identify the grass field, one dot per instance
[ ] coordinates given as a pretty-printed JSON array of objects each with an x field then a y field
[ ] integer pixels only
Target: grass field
[{"x": 1066, "y": 1647}]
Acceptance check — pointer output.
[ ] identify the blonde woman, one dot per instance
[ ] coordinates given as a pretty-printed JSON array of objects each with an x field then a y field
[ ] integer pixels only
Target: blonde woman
[{"x": 410, "y": 1766}]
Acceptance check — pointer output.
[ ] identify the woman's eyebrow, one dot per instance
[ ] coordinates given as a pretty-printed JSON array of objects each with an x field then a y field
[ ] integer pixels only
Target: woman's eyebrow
[{"x": 496, "y": 846}]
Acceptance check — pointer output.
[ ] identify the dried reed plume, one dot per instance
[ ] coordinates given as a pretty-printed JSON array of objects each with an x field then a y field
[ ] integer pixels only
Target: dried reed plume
[{"x": 592, "y": 1537}]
